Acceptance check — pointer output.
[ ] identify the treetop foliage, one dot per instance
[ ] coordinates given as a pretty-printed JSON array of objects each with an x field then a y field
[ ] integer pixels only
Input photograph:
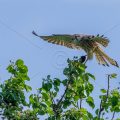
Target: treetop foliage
[{"x": 52, "y": 103}]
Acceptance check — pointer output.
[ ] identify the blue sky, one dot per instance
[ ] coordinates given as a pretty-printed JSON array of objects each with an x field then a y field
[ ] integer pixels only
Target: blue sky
[{"x": 18, "y": 18}]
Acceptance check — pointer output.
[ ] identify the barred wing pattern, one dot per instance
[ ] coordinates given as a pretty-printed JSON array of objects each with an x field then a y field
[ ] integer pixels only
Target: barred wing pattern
[{"x": 89, "y": 43}]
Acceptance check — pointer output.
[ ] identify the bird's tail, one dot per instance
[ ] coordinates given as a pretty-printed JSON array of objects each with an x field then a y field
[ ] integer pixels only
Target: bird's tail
[{"x": 103, "y": 58}]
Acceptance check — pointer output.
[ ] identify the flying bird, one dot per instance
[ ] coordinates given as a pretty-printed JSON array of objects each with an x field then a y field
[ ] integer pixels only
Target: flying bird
[{"x": 91, "y": 44}]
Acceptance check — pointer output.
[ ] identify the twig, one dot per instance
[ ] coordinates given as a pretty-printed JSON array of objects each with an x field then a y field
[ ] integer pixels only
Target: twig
[
  {"x": 101, "y": 107},
  {"x": 113, "y": 115},
  {"x": 53, "y": 102},
  {"x": 108, "y": 86},
  {"x": 77, "y": 105},
  {"x": 64, "y": 93},
  {"x": 59, "y": 102},
  {"x": 80, "y": 103}
]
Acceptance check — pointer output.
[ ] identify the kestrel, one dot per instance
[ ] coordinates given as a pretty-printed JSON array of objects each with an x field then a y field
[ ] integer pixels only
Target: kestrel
[{"x": 91, "y": 44}]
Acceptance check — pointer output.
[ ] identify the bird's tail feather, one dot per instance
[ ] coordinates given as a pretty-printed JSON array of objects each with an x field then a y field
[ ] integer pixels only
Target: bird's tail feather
[{"x": 104, "y": 58}]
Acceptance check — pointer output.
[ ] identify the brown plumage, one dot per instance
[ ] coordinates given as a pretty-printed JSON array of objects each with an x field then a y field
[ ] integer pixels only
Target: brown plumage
[{"x": 89, "y": 43}]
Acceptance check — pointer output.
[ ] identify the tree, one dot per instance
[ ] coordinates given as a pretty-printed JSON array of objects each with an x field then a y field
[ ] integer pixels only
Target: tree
[
  {"x": 12, "y": 96},
  {"x": 48, "y": 102}
]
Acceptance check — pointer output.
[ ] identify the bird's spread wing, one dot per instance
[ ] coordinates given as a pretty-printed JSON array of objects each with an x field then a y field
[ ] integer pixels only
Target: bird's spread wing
[{"x": 61, "y": 39}]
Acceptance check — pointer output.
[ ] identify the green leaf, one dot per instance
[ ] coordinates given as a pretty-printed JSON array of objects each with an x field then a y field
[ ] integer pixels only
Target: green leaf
[
  {"x": 90, "y": 115},
  {"x": 114, "y": 75},
  {"x": 50, "y": 112},
  {"x": 19, "y": 62},
  {"x": 64, "y": 82},
  {"x": 103, "y": 97},
  {"x": 31, "y": 98},
  {"x": 43, "y": 105},
  {"x": 66, "y": 103},
  {"x": 85, "y": 117},
  {"x": 47, "y": 86},
  {"x": 41, "y": 112},
  {"x": 82, "y": 68},
  {"x": 90, "y": 101},
  {"x": 23, "y": 76},
  {"x": 114, "y": 101},
  {"x": 23, "y": 69},
  {"x": 103, "y": 91},
  {"x": 55, "y": 94},
  {"x": 56, "y": 89},
  {"x": 92, "y": 76},
  {"x": 66, "y": 71},
  {"x": 97, "y": 111},
  {"x": 76, "y": 98},
  {"x": 89, "y": 88},
  {"x": 86, "y": 77},
  {"x": 28, "y": 88},
  {"x": 45, "y": 96},
  {"x": 11, "y": 69},
  {"x": 83, "y": 110},
  {"x": 57, "y": 82},
  {"x": 48, "y": 103}
]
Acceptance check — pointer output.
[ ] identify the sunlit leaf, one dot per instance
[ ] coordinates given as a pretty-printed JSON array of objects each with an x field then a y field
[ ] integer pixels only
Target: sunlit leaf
[
  {"x": 103, "y": 91},
  {"x": 92, "y": 76},
  {"x": 114, "y": 75},
  {"x": 19, "y": 62},
  {"x": 90, "y": 101}
]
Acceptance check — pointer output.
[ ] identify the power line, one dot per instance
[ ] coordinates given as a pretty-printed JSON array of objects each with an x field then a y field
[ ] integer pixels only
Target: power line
[
  {"x": 19, "y": 34},
  {"x": 112, "y": 28}
]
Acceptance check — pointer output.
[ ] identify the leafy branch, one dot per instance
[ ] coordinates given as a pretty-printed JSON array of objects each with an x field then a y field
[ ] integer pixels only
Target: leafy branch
[{"x": 69, "y": 106}]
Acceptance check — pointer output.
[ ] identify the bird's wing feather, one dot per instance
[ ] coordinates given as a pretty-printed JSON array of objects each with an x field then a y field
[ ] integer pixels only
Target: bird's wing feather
[
  {"x": 64, "y": 40},
  {"x": 101, "y": 59},
  {"x": 104, "y": 58},
  {"x": 61, "y": 39},
  {"x": 101, "y": 40}
]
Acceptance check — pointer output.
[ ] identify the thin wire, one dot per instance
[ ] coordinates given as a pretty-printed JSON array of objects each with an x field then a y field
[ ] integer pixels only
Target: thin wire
[
  {"x": 35, "y": 75},
  {"x": 19, "y": 34},
  {"x": 112, "y": 28}
]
